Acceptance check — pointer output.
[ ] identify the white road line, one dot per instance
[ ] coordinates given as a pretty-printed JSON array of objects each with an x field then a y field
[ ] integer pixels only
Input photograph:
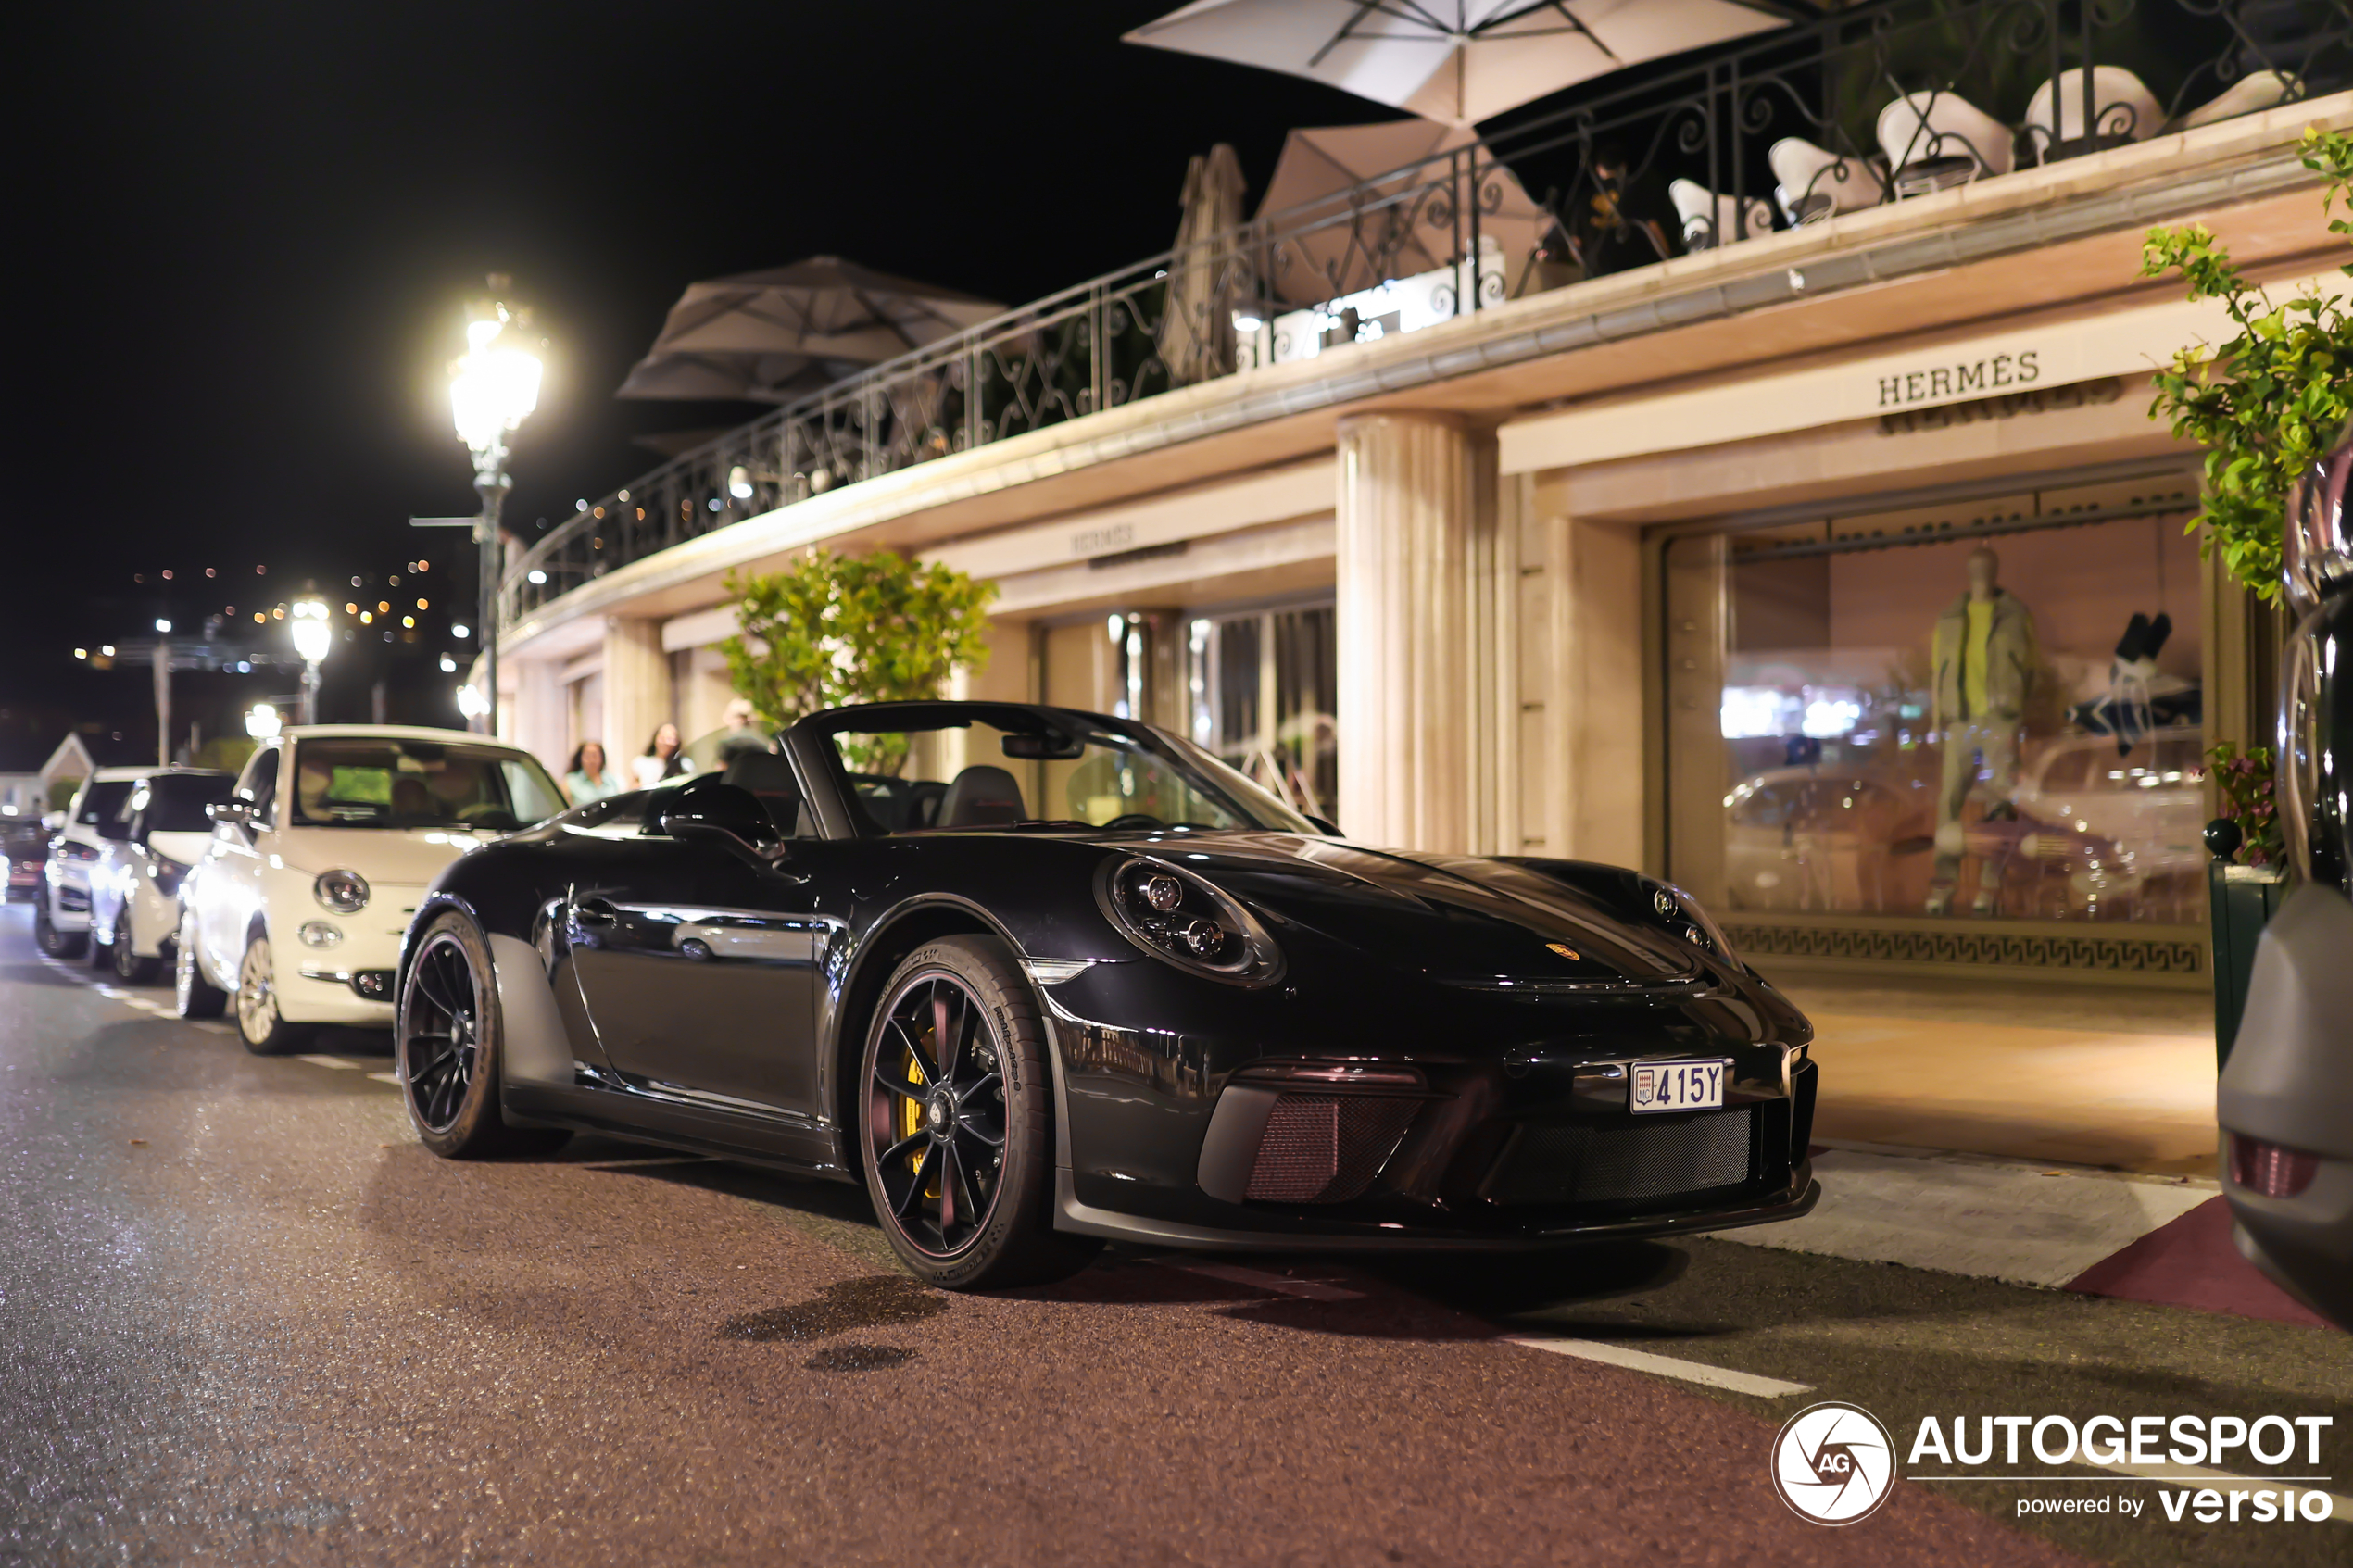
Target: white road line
[
  {"x": 1234, "y": 1274},
  {"x": 327, "y": 1061},
  {"x": 1668, "y": 1366},
  {"x": 392, "y": 1078}
]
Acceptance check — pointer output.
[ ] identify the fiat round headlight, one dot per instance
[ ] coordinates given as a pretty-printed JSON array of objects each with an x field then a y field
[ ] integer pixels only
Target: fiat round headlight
[
  {"x": 1182, "y": 920},
  {"x": 343, "y": 892}
]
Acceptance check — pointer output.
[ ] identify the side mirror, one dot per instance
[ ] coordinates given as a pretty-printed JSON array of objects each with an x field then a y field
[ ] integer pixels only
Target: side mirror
[{"x": 707, "y": 809}]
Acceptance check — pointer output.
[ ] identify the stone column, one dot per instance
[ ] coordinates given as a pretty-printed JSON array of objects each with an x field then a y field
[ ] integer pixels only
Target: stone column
[
  {"x": 1423, "y": 671},
  {"x": 540, "y": 721},
  {"x": 636, "y": 681}
]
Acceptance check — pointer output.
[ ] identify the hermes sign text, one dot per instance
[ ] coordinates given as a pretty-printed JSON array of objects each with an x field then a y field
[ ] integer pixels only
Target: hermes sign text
[{"x": 1938, "y": 383}]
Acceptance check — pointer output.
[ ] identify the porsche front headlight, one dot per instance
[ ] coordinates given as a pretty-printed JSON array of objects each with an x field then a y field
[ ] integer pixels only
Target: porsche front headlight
[
  {"x": 1682, "y": 914},
  {"x": 1183, "y": 920}
]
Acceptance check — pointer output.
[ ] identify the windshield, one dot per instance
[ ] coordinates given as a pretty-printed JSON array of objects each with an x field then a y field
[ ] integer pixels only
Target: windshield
[
  {"x": 175, "y": 802},
  {"x": 977, "y": 775},
  {"x": 371, "y": 783},
  {"x": 102, "y": 807}
]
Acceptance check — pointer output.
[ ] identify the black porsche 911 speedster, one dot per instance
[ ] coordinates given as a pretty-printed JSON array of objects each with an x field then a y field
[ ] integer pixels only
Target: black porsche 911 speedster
[{"x": 1038, "y": 978}]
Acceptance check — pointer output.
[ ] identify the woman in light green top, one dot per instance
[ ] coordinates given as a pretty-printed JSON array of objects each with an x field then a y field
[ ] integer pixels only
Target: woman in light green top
[{"x": 588, "y": 778}]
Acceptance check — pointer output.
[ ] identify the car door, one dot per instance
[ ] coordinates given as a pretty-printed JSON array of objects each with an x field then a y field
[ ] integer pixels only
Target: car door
[
  {"x": 700, "y": 973},
  {"x": 231, "y": 888},
  {"x": 118, "y": 862}
]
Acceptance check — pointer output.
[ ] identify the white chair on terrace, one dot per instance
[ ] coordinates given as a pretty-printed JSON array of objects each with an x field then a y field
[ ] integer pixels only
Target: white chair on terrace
[
  {"x": 2255, "y": 91},
  {"x": 1710, "y": 220},
  {"x": 1816, "y": 182},
  {"x": 1934, "y": 141},
  {"x": 2123, "y": 110}
]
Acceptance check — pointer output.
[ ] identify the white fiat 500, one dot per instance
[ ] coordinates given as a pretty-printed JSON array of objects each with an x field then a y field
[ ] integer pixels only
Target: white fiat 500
[{"x": 318, "y": 860}]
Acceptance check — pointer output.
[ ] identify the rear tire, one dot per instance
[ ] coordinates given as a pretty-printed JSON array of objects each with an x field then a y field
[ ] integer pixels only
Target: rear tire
[
  {"x": 195, "y": 995},
  {"x": 955, "y": 1116},
  {"x": 260, "y": 1024},
  {"x": 449, "y": 1043},
  {"x": 129, "y": 967},
  {"x": 47, "y": 938}
]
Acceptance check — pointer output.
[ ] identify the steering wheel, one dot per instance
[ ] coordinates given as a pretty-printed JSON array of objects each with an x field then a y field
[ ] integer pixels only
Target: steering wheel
[{"x": 1134, "y": 820}]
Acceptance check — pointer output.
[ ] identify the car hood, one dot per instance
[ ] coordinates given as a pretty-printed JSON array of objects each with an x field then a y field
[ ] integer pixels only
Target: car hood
[
  {"x": 1459, "y": 919},
  {"x": 396, "y": 856}
]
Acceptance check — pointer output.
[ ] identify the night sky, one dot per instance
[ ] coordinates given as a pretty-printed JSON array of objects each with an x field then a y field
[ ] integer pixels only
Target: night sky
[{"x": 244, "y": 234}]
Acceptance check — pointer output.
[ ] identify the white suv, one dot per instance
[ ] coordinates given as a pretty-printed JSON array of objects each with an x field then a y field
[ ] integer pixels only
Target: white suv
[
  {"x": 61, "y": 904},
  {"x": 319, "y": 859},
  {"x": 134, "y": 885}
]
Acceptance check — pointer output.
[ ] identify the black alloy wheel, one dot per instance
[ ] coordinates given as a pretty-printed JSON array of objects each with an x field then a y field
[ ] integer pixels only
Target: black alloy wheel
[
  {"x": 129, "y": 967},
  {"x": 47, "y": 938},
  {"x": 955, "y": 1122},
  {"x": 449, "y": 1037},
  {"x": 439, "y": 1048},
  {"x": 938, "y": 1092}
]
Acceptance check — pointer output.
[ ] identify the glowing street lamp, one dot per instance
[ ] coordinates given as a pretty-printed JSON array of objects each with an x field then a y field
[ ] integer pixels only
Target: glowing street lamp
[
  {"x": 262, "y": 722},
  {"x": 314, "y": 638},
  {"x": 492, "y": 388}
]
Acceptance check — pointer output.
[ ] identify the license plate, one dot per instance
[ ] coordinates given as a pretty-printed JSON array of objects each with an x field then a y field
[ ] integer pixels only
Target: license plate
[{"x": 1678, "y": 1085}]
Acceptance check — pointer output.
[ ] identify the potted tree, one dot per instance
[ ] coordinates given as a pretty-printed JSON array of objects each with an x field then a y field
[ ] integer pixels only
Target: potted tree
[{"x": 2266, "y": 404}]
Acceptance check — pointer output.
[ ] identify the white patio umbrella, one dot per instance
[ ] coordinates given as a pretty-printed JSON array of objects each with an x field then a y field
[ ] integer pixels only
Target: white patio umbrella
[
  {"x": 1323, "y": 252},
  {"x": 1197, "y": 327},
  {"x": 770, "y": 335},
  {"x": 1456, "y": 61}
]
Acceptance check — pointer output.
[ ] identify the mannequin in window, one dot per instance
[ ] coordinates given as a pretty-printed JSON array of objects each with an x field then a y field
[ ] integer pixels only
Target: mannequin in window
[{"x": 1984, "y": 658}]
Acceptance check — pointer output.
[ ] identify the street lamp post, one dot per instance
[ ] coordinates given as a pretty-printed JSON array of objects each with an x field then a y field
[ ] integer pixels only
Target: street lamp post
[
  {"x": 492, "y": 388},
  {"x": 313, "y": 638}
]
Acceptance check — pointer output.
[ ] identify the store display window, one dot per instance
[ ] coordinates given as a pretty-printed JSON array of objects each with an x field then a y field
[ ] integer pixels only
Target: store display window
[
  {"x": 1262, "y": 691},
  {"x": 1986, "y": 710}
]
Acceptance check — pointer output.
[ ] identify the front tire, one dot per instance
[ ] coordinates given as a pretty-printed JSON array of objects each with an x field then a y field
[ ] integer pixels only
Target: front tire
[
  {"x": 48, "y": 938},
  {"x": 263, "y": 1028},
  {"x": 450, "y": 1040},
  {"x": 129, "y": 967},
  {"x": 955, "y": 1116},
  {"x": 195, "y": 995}
]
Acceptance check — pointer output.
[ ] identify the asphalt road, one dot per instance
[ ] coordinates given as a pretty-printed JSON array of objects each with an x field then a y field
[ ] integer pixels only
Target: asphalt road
[{"x": 244, "y": 1317}]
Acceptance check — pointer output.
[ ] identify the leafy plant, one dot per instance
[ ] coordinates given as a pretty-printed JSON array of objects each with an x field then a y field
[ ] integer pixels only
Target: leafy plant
[
  {"x": 2245, "y": 782},
  {"x": 834, "y": 629},
  {"x": 2272, "y": 399}
]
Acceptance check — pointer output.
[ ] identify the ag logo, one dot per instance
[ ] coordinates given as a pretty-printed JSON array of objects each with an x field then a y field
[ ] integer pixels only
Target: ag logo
[{"x": 1834, "y": 1463}]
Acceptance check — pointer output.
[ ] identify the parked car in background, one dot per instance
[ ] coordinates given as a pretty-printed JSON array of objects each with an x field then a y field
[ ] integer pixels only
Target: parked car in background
[
  {"x": 24, "y": 841},
  {"x": 2286, "y": 1103},
  {"x": 134, "y": 885},
  {"x": 317, "y": 859},
  {"x": 1826, "y": 837},
  {"x": 2146, "y": 801},
  {"x": 61, "y": 908}
]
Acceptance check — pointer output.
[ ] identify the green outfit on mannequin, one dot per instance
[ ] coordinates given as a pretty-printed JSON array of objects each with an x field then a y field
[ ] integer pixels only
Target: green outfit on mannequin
[{"x": 1985, "y": 657}]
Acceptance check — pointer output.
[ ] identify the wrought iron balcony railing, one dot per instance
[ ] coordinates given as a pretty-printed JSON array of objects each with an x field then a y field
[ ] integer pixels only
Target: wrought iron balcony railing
[{"x": 1870, "y": 103}]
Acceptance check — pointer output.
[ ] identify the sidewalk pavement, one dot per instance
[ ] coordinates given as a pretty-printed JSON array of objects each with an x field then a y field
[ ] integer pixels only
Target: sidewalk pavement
[
  {"x": 2079, "y": 1075},
  {"x": 2136, "y": 1237},
  {"x": 2051, "y": 1135}
]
